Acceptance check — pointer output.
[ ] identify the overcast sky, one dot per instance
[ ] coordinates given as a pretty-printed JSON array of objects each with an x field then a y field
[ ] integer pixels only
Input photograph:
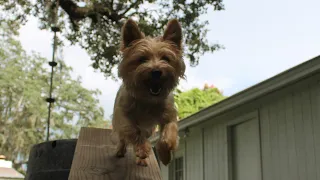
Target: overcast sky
[{"x": 262, "y": 39}]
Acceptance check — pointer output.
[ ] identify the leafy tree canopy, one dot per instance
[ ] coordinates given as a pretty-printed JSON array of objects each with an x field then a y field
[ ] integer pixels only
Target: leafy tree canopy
[
  {"x": 194, "y": 100},
  {"x": 95, "y": 24},
  {"x": 24, "y": 85}
]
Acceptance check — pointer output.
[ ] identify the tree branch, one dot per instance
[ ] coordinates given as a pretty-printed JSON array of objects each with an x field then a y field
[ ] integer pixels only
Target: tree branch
[
  {"x": 111, "y": 5},
  {"x": 94, "y": 12},
  {"x": 130, "y": 7},
  {"x": 73, "y": 10}
]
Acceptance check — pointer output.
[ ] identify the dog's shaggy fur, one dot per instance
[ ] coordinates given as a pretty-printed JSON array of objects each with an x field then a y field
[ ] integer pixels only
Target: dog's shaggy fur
[{"x": 150, "y": 70}]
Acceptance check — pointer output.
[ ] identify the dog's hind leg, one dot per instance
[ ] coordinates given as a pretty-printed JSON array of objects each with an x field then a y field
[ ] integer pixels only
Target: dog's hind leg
[{"x": 121, "y": 148}]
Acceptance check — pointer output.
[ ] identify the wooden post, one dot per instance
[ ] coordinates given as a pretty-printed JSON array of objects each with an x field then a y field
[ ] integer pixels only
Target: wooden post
[{"x": 95, "y": 158}]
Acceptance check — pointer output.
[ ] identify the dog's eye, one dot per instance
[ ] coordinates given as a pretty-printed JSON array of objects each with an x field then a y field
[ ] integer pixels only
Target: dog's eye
[
  {"x": 165, "y": 58},
  {"x": 142, "y": 59}
]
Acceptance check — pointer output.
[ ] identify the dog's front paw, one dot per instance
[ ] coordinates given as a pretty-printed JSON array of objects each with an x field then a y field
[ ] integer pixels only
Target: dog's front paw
[
  {"x": 164, "y": 152},
  {"x": 165, "y": 147},
  {"x": 169, "y": 143},
  {"x": 143, "y": 150},
  {"x": 141, "y": 162}
]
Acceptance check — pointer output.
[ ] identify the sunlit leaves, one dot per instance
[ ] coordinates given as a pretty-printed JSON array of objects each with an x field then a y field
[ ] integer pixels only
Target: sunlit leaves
[{"x": 194, "y": 100}]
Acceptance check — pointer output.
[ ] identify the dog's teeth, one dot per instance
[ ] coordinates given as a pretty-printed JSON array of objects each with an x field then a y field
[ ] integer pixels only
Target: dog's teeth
[{"x": 155, "y": 93}]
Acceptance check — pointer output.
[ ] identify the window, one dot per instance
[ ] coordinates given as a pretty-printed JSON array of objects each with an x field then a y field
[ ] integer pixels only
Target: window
[{"x": 178, "y": 168}]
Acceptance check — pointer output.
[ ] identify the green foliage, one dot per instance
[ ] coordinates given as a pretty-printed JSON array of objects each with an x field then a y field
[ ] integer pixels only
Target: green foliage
[
  {"x": 24, "y": 85},
  {"x": 96, "y": 25},
  {"x": 194, "y": 100}
]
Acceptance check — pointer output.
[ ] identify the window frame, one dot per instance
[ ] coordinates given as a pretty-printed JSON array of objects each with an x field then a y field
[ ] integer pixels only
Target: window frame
[{"x": 180, "y": 170}]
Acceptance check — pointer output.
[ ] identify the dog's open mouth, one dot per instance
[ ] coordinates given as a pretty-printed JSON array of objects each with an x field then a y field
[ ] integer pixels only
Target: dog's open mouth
[{"x": 155, "y": 90}]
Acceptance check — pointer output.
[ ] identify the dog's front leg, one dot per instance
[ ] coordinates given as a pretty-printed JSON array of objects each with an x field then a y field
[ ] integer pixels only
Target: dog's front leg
[
  {"x": 129, "y": 133},
  {"x": 168, "y": 141},
  {"x": 142, "y": 148}
]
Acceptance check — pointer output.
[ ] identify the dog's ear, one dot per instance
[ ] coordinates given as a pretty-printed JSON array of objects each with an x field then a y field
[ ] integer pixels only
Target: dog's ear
[
  {"x": 130, "y": 32},
  {"x": 173, "y": 32}
]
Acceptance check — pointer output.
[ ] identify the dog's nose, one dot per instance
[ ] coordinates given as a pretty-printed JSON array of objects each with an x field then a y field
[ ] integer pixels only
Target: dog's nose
[{"x": 156, "y": 74}]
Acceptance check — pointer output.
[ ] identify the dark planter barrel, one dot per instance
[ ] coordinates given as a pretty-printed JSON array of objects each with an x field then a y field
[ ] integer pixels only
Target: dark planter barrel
[{"x": 51, "y": 160}]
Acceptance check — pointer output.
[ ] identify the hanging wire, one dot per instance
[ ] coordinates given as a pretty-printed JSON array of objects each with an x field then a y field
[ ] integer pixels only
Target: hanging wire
[{"x": 54, "y": 29}]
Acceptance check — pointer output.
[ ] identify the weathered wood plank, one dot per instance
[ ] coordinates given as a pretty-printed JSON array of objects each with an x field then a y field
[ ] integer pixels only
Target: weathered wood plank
[
  {"x": 94, "y": 159},
  {"x": 309, "y": 135},
  {"x": 315, "y": 101},
  {"x": 291, "y": 136},
  {"x": 299, "y": 139}
]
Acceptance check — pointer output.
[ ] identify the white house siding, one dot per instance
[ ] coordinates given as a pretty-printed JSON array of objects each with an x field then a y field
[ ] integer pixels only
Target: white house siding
[
  {"x": 215, "y": 152},
  {"x": 194, "y": 156},
  {"x": 289, "y": 133},
  {"x": 164, "y": 171},
  {"x": 245, "y": 150},
  {"x": 290, "y": 136}
]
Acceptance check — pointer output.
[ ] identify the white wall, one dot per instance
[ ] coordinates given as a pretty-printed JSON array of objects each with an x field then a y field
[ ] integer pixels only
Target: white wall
[
  {"x": 5, "y": 164},
  {"x": 290, "y": 135},
  {"x": 289, "y": 128}
]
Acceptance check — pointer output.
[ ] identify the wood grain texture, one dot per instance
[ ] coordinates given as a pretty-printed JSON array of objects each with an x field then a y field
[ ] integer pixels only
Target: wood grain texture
[{"x": 95, "y": 158}]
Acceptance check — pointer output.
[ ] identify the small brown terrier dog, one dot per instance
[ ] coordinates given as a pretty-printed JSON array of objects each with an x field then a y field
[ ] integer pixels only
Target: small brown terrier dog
[{"x": 150, "y": 70}]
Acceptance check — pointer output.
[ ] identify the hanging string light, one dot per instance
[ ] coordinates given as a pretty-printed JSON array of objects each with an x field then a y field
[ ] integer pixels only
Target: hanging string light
[{"x": 54, "y": 29}]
